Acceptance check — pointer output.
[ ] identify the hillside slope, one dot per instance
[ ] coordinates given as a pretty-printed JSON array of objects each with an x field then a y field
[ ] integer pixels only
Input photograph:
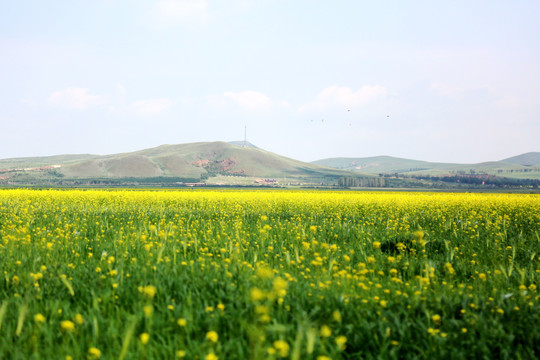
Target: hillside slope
[
  {"x": 380, "y": 164},
  {"x": 515, "y": 167},
  {"x": 196, "y": 160},
  {"x": 527, "y": 159}
]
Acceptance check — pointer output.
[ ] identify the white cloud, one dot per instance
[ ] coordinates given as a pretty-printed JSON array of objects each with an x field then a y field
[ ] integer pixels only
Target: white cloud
[
  {"x": 151, "y": 106},
  {"x": 171, "y": 12},
  {"x": 75, "y": 98},
  {"x": 346, "y": 97},
  {"x": 250, "y": 100}
]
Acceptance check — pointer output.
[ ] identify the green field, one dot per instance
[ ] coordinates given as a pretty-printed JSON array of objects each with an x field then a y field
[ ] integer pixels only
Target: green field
[{"x": 268, "y": 275}]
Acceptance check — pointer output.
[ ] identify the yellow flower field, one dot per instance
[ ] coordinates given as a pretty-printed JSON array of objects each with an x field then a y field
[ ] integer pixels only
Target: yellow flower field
[{"x": 268, "y": 275}]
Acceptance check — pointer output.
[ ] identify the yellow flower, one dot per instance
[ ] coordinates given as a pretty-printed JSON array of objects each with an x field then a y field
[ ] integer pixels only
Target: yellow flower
[
  {"x": 336, "y": 315},
  {"x": 220, "y": 306},
  {"x": 94, "y": 353},
  {"x": 282, "y": 348},
  {"x": 144, "y": 338},
  {"x": 79, "y": 319},
  {"x": 264, "y": 272},
  {"x": 211, "y": 356},
  {"x": 340, "y": 341},
  {"x": 212, "y": 336},
  {"x": 280, "y": 285},
  {"x": 181, "y": 322},
  {"x": 323, "y": 357},
  {"x": 181, "y": 353},
  {"x": 39, "y": 318},
  {"x": 67, "y": 325},
  {"x": 148, "y": 310},
  {"x": 482, "y": 276},
  {"x": 313, "y": 228},
  {"x": 436, "y": 319},
  {"x": 376, "y": 244},
  {"x": 256, "y": 294},
  {"x": 149, "y": 291},
  {"x": 325, "y": 331}
]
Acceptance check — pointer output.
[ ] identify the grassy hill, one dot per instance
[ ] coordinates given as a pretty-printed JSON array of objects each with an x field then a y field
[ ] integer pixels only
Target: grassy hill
[
  {"x": 527, "y": 159},
  {"x": 379, "y": 164},
  {"x": 514, "y": 167},
  {"x": 192, "y": 162},
  {"x": 43, "y": 161},
  {"x": 233, "y": 163}
]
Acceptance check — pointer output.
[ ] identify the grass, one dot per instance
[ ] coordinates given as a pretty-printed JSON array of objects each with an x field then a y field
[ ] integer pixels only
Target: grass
[{"x": 268, "y": 275}]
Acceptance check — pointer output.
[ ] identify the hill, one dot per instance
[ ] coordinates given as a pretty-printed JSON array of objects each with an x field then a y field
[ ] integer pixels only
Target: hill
[
  {"x": 28, "y": 162},
  {"x": 184, "y": 162},
  {"x": 525, "y": 166},
  {"x": 527, "y": 159},
  {"x": 379, "y": 164},
  {"x": 196, "y": 160}
]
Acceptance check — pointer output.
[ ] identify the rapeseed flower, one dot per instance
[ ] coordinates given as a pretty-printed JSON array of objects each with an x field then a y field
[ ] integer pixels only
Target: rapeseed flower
[
  {"x": 94, "y": 353},
  {"x": 325, "y": 331},
  {"x": 212, "y": 336},
  {"x": 282, "y": 348},
  {"x": 67, "y": 325},
  {"x": 145, "y": 337},
  {"x": 39, "y": 318},
  {"x": 340, "y": 342}
]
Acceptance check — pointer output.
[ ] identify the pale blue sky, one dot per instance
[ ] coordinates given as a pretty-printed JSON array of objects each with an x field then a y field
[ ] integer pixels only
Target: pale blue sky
[{"x": 454, "y": 81}]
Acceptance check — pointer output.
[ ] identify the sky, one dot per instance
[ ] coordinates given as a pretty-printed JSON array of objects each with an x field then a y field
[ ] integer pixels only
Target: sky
[{"x": 449, "y": 81}]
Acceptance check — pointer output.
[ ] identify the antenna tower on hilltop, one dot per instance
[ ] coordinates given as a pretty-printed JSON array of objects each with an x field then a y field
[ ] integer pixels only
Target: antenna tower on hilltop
[{"x": 245, "y": 136}]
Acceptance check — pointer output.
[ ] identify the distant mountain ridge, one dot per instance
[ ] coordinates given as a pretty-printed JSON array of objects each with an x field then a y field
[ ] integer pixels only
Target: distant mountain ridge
[
  {"x": 192, "y": 161},
  {"x": 527, "y": 159},
  {"x": 210, "y": 159},
  {"x": 520, "y": 166}
]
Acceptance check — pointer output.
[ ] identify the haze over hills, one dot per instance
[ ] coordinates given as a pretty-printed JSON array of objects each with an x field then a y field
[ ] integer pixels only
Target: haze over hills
[{"x": 521, "y": 166}]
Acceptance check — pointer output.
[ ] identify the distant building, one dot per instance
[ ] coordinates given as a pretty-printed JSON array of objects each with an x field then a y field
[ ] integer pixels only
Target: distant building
[{"x": 195, "y": 184}]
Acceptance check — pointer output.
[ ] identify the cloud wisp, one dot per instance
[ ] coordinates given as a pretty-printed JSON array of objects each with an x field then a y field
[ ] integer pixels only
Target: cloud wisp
[{"x": 75, "y": 98}]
